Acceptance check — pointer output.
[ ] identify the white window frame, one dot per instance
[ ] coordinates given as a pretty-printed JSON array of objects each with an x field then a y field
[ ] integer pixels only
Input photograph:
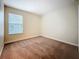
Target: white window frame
[{"x": 15, "y": 21}]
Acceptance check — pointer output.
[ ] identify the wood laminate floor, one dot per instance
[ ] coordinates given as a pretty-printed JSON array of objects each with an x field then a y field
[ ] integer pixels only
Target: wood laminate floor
[{"x": 39, "y": 48}]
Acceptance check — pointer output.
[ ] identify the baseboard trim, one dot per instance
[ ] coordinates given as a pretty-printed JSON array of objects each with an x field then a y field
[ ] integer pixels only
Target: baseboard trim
[
  {"x": 60, "y": 40},
  {"x": 43, "y": 36},
  {"x": 21, "y": 39}
]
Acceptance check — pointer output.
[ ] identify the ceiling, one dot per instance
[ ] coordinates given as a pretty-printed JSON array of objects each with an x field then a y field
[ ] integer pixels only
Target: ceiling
[{"x": 38, "y": 6}]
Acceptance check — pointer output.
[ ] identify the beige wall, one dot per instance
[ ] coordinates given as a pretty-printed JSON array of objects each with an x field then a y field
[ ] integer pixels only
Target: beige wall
[
  {"x": 61, "y": 24},
  {"x": 31, "y": 25}
]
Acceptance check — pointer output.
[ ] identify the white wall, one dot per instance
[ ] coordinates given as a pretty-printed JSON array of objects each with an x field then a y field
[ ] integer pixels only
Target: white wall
[
  {"x": 1, "y": 26},
  {"x": 61, "y": 24}
]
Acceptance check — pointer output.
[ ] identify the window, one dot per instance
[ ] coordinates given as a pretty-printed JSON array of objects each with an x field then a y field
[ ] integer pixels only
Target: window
[{"x": 15, "y": 24}]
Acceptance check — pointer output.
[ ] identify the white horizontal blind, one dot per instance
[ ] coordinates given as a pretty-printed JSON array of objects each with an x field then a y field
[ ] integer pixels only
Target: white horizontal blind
[{"x": 15, "y": 23}]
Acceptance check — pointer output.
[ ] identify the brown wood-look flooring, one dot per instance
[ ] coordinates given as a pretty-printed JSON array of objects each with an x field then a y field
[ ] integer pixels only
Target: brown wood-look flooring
[{"x": 39, "y": 48}]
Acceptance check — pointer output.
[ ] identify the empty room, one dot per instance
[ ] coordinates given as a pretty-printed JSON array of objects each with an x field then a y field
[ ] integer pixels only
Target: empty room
[{"x": 39, "y": 29}]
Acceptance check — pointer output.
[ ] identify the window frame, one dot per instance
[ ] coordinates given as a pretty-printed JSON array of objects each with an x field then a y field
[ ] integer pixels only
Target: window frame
[{"x": 15, "y": 23}]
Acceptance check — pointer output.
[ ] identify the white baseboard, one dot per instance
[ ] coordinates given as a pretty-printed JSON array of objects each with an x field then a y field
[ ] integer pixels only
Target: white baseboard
[
  {"x": 60, "y": 40},
  {"x": 21, "y": 39},
  {"x": 46, "y": 37}
]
